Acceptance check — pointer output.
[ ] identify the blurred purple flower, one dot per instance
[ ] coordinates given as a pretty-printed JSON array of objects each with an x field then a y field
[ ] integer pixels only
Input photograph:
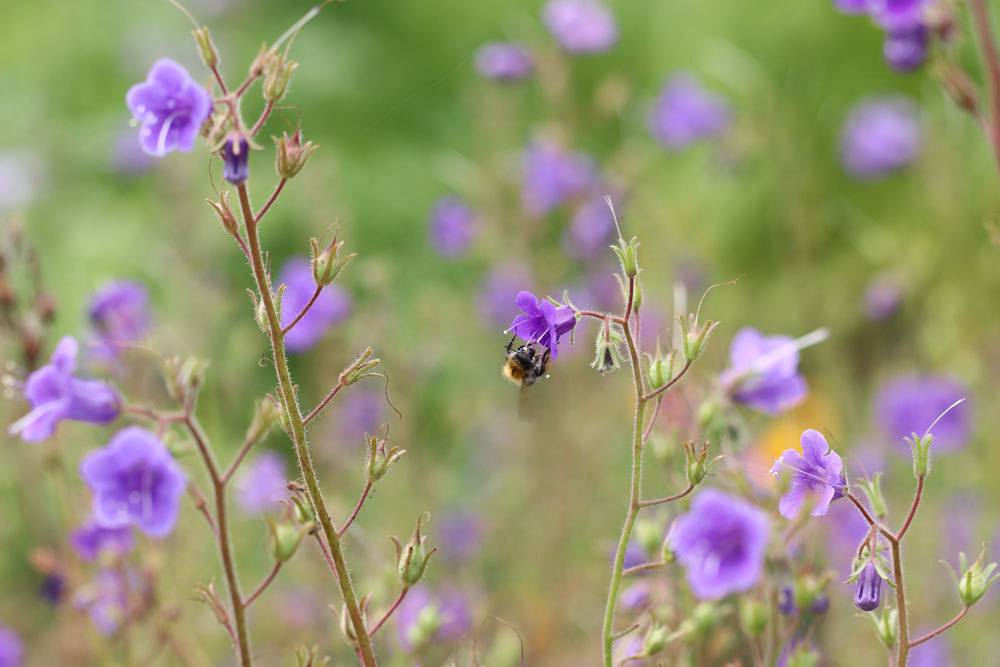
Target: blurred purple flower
[
  {"x": 625, "y": 648},
  {"x": 504, "y": 61},
  {"x": 91, "y": 540},
  {"x": 553, "y": 176},
  {"x": 236, "y": 159},
  {"x": 897, "y": 15},
  {"x": 591, "y": 229},
  {"x": 581, "y": 26},
  {"x": 498, "y": 291},
  {"x": 542, "y": 321},
  {"x": 460, "y": 534},
  {"x": 119, "y": 313},
  {"x": 127, "y": 155},
  {"x": 135, "y": 481},
  {"x": 11, "y": 648},
  {"x": 686, "y": 113},
  {"x": 882, "y": 298},
  {"x": 262, "y": 483},
  {"x": 721, "y": 542},
  {"x": 906, "y": 50},
  {"x": 880, "y": 136},
  {"x": 786, "y": 601},
  {"x": 425, "y": 617},
  {"x": 909, "y": 404},
  {"x": 170, "y": 107},
  {"x": 56, "y": 395},
  {"x": 634, "y": 555},
  {"x": 105, "y": 599},
  {"x": 852, "y": 6},
  {"x": 361, "y": 412},
  {"x": 332, "y": 307},
  {"x": 452, "y": 226},
  {"x": 817, "y": 476},
  {"x": 763, "y": 372},
  {"x": 869, "y": 590},
  {"x": 636, "y": 597},
  {"x": 932, "y": 653},
  {"x": 52, "y": 589}
]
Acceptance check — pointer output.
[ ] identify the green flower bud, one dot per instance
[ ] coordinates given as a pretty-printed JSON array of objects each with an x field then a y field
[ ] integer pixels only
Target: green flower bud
[
  {"x": 285, "y": 538},
  {"x": 206, "y": 49},
  {"x": 694, "y": 335},
  {"x": 291, "y": 154},
  {"x": 655, "y": 641},
  {"x": 803, "y": 656},
  {"x": 885, "y": 626},
  {"x": 380, "y": 457},
  {"x": 607, "y": 349},
  {"x": 920, "y": 446},
  {"x": 753, "y": 617},
  {"x": 184, "y": 377},
  {"x": 278, "y": 74},
  {"x": 873, "y": 489},
  {"x": 327, "y": 263},
  {"x": 697, "y": 464},
  {"x": 359, "y": 368},
  {"x": 413, "y": 557},
  {"x": 266, "y": 414},
  {"x": 225, "y": 213},
  {"x": 649, "y": 535},
  {"x": 661, "y": 368},
  {"x": 628, "y": 256},
  {"x": 309, "y": 657},
  {"x": 975, "y": 579}
]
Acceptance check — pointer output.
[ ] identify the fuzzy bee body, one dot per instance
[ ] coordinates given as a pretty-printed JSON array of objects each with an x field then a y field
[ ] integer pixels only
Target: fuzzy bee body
[{"x": 525, "y": 364}]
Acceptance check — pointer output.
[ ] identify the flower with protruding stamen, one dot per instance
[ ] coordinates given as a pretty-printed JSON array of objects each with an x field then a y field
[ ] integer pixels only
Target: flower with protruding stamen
[
  {"x": 817, "y": 476},
  {"x": 170, "y": 108},
  {"x": 542, "y": 321}
]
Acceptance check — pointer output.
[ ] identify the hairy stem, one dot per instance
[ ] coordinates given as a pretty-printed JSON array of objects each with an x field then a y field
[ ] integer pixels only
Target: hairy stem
[
  {"x": 941, "y": 630},
  {"x": 991, "y": 60},
  {"x": 903, "y": 642}
]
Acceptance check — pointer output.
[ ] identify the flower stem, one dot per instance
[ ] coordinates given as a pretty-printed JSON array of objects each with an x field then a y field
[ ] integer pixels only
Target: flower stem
[
  {"x": 903, "y": 642},
  {"x": 991, "y": 60},
  {"x": 941, "y": 630}
]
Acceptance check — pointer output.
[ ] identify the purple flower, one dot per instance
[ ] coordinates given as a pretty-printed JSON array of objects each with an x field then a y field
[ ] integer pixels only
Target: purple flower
[
  {"x": 634, "y": 555},
  {"x": 906, "y": 50},
  {"x": 332, "y": 307},
  {"x": 686, "y": 113},
  {"x": 11, "y": 649},
  {"x": 236, "y": 159},
  {"x": 933, "y": 653},
  {"x": 105, "y": 599},
  {"x": 817, "y": 476},
  {"x": 897, "y": 15},
  {"x": 134, "y": 481},
  {"x": 591, "y": 229},
  {"x": 636, "y": 597},
  {"x": 498, "y": 291},
  {"x": 882, "y": 299},
  {"x": 56, "y": 395},
  {"x": 542, "y": 322},
  {"x": 504, "y": 61},
  {"x": 51, "y": 589},
  {"x": 786, "y": 601},
  {"x": 361, "y": 412},
  {"x": 262, "y": 483},
  {"x": 119, "y": 313},
  {"x": 881, "y": 135},
  {"x": 170, "y": 107},
  {"x": 869, "y": 593},
  {"x": 452, "y": 226},
  {"x": 763, "y": 372},
  {"x": 721, "y": 542},
  {"x": 852, "y": 6},
  {"x": 553, "y": 176},
  {"x": 460, "y": 534},
  {"x": 423, "y": 617},
  {"x": 580, "y": 26},
  {"x": 909, "y": 404},
  {"x": 92, "y": 540}
]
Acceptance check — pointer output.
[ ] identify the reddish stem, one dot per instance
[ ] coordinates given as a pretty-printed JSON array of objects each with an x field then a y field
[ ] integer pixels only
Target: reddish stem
[
  {"x": 981, "y": 20},
  {"x": 264, "y": 584},
  {"x": 322, "y": 404},
  {"x": 913, "y": 508},
  {"x": 270, "y": 200},
  {"x": 302, "y": 313},
  {"x": 357, "y": 508},
  {"x": 944, "y": 628},
  {"x": 389, "y": 612}
]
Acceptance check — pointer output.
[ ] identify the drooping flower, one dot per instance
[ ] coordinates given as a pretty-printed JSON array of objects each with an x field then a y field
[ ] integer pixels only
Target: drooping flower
[
  {"x": 236, "y": 159},
  {"x": 591, "y": 229},
  {"x": 498, "y": 291},
  {"x": 332, "y": 307},
  {"x": 55, "y": 394},
  {"x": 553, "y": 176},
  {"x": 262, "y": 483},
  {"x": 763, "y": 372},
  {"x": 909, "y": 404},
  {"x": 542, "y": 321},
  {"x": 452, "y": 226},
  {"x": 581, "y": 26},
  {"x": 119, "y": 313},
  {"x": 92, "y": 540},
  {"x": 686, "y": 113},
  {"x": 504, "y": 61},
  {"x": 425, "y": 617},
  {"x": 11, "y": 648},
  {"x": 881, "y": 135},
  {"x": 897, "y": 15},
  {"x": 869, "y": 592},
  {"x": 906, "y": 50},
  {"x": 882, "y": 298},
  {"x": 135, "y": 481},
  {"x": 817, "y": 476},
  {"x": 721, "y": 542},
  {"x": 170, "y": 108}
]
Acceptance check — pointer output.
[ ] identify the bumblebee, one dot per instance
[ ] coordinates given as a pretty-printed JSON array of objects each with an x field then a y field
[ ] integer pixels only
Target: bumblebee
[{"x": 525, "y": 364}]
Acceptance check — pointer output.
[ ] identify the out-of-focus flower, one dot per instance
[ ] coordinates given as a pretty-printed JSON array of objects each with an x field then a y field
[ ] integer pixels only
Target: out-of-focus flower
[
  {"x": 542, "y": 321},
  {"x": 452, "y": 226},
  {"x": 906, "y": 50},
  {"x": 763, "y": 372},
  {"x": 361, "y": 412},
  {"x": 625, "y": 648},
  {"x": 686, "y": 113},
  {"x": 498, "y": 291},
  {"x": 581, "y": 26},
  {"x": 869, "y": 592},
  {"x": 119, "y": 314},
  {"x": 52, "y": 589},
  {"x": 504, "y": 61},
  {"x": 424, "y": 617},
  {"x": 897, "y": 15},
  {"x": 262, "y": 483},
  {"x": 135, "y": 481},
  {"x": 170, "y": 108},
  {"x": 881, "y": 135},
  {"x": 460, "y": 534},
  {"x": 786, "y": 601},
  {"x": 591, "y": 229},
  {"x": 932, "y": 653},
  {"x": 634, "y": 555},
  {"x": 909, "y": 404},
  {"x": 636, "y": 597},
  {"x": 332, "y": 306},
  {"x": 721, "y": 542},
  {"x": 91, "y": 540},
  {"x": 852, "y": 6},
  {"x": 882, "y": 298},
  {"x": 105, "y": 599},
  {"x": 128, "y": 157},
  {"x": 553, "y": 176},
  {"x": 817, "y": 476},
  {"x": 798, "y": 652},
  {"x": 11, "y": 649},
  {"x": 56, "y": 395}
]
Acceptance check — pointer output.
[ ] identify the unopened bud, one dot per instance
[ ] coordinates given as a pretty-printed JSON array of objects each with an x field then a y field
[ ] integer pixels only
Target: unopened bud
[
  {"x": 291, "y": 154},
  {"x": 285, "y": 538},
  {"x": 327, "y": 263},
  {"x": 380, "y": 457},
  {"x": 184, "y": 377},
  {"x": 873, "y": 489},
  {"x": 413, "y": 557},
  {"x": 207, "y": 50},
  {"x": 694, "y": 335},
  {"x": 266, "y": 414},
  {"x": 628, "y": 257},
  {"x": 697, "y": 464},
  {"x": 920, "y": 447},
  {"x": 279, "y": 73},
  {"x": 224, "y": 213},
  {"x": 655, "y": 641},
  {"x": 753, "y": 617},
  {"x": 661, "y": 368},
  {"x": 359, "y": 367},
  {"x": 235, "y": 159},
  {"x": 975, "y": 579}
]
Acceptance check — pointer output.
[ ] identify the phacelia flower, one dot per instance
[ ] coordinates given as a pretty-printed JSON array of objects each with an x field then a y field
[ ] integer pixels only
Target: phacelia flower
[
  {"x": 882, "y": 299},
  {"x": 590, "y": 230},
  {"x": 135, "y": 481},
  {"x": 897, "y": 15},
  {"x": 498, "y": 291},
  {"x": 817, "y": 476},
  {"x": 262, "y": 483},
  {"x": 170, "y": 108},
  {"x": 332, "y": 307},
  {"x": 424, "y": 617},
  {"x": 869, "y": 593},
  {"x": 581, "y": 26},
  {"x": 11, "y": 649},
  {"x": 119, "y": 313},
  {"x": 504, "y": 61},
  {"x": 553, "y": 176},
  {"x": 909, "y": 404},
  {"x": 542, "y": 321},
  {"x": 92, "y": 540},
  {"x": 55, "y": 394},
  {"x": 686, "y": 113},
  {"x": 880, "y": 136},
  {"x": 763, "y": 372},
  {"x": 906, "y": 50},
  {"x": 452, "y": 226},
  {"x": 721, "y": 542},
  {"x": 235, "y": 159}
]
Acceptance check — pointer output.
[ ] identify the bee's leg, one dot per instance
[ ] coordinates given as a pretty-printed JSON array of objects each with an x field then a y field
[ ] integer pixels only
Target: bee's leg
[
  {"x": 510, "y": 345},
  {"x": 545, "y": 358}
]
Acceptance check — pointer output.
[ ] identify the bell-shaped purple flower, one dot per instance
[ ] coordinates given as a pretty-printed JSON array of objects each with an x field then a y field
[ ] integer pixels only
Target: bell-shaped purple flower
[
  {"x": 170, "y": 108},
  {"x": 55, "y": 394},
  {"x": 11, "y": 648},
  {"x": 235, "y": 159},
  {"x": 581, "y": 26},
  {"x": 906, "y": 50},
  {"x": 119, "y": 313},
  {"x": 452, "y": 227},
  {"x": 721, "y": 542},
  {"x": 504, "y": 61},
  {"x": 763, "y": 372},
  {"x": 553, "y": 176},
  {"x": 542, "y": 321},
  {"x": 869, "y": 593},
  {"x": 880, "y": 136},
  {"x": 686, "y": 113},
  {"x": 262, "y": 483},
  {"x": 897, "y": 15},
  {"x": 909, "y": 404},
  {"x": 135, "y": 481},
  {"x": 332, "y": 307},
  {"x": 92, "y": 540},
  {"x": 817, "y": 476}
]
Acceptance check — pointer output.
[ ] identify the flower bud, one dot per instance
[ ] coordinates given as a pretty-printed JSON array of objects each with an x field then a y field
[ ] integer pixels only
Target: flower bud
[
  {"x": 607, "y": 349},
  {"x": 697, "y": 463},
  {"x": 235, "y": 159},
  {"x": 266, "y": 414},
  {"x": 873, "y": 490},
  {"x": 207, "y": 50},
  {"x": 380, "y": 458},
  {"x": 309, "y": 657},
  {"x": 285, "y": 537},
  {"x": 327, "y": 263},
  {"x": 753, "y": 617},
  {"x": 359, "y": 367},
  {"x": 886, "y": 626},
  {"x": 803, "y": 656},
  {"x": 661, "y": 368},
  {"x": 302, "y": 510},
  {"x": 628, "y": 257},
  {"x": 184, "y": 378},
  {"x": 278, "y": 74},
  {"x": 224, "y": 213},
  {"x": 291, "y": 154},
  {"x": 655, "y": 641},
  {"x": 975, "y": 579},
  {"x": 920, "y": 446},
  {"x": 261, "y": 62},
  {"x": 414, "y": 556},
  {"x": 869, "y": 592},
  {"x": 694, "y": 336}
]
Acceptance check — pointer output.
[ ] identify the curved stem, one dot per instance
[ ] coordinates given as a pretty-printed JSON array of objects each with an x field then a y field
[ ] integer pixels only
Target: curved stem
[
  {"x": 326, "y": 401},
  {"x": 264, "y": 584},
  {"x": 918, "y": 494},
  {"x": 357, "y": 508},
  {"x": 667, "y": 499},
  {"x": 944, "y": 628},
  {"x": 389, "y": 612},
  {"x": 305, "y": 309}
]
